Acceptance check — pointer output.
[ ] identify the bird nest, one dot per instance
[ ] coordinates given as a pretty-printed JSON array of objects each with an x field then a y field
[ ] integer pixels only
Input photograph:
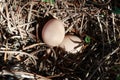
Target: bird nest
[{"x": 24, "y": 55}]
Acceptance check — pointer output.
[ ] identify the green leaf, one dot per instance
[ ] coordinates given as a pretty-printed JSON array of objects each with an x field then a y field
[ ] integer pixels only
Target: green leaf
[
  {"x": 87, "y": 39},
  {"x": 116, "y": 10},
  {"x": 49, "y": 1},
  {"x": 118, "y": 77}
]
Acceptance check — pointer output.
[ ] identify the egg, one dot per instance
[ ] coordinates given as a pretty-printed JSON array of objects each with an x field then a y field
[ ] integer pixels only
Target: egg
[
  {"x": 53, "y": 32},
  {"x": 71, "y": 44}
]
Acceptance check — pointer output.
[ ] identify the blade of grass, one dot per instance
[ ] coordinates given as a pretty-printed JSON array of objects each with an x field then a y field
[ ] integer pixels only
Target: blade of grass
[{"x": 49, "y": 1}]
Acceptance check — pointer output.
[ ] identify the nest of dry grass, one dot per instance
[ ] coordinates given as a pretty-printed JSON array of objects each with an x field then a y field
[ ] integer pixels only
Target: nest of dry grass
[{"x": 23, "y": 54}]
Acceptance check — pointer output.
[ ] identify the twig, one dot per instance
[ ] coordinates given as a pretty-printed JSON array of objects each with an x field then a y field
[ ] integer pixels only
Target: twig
[
  {"x": 113, "y": 22},
  {"x": 33, "y": 45},
  {"x": 101, "y": 29},
  {"x": 102, "y": 61},
  {"x": 8, "y": 21},
  {"x": 21, "y": 53},
  {"x": 81, "y": 26},
  {"x": 21, "y": 74},
  {"x": 29, "y": 14},
  {"x": 107, "y": 30}
]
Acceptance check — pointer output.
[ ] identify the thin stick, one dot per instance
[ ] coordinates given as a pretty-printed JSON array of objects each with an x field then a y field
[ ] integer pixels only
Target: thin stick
[
  {"x": 102, "y": 61},
  {"x": 81, "y": 26},
  {"x": 33, "y": 45},
  {"x": 101, "y": 28},
  {"x": 113, "y": 22},
  {"x": 29, "y": 15},
  {"x": 22, "y": 74},
  {"x": 21, "y": 53},
  {"x": 8, "y": 21}
]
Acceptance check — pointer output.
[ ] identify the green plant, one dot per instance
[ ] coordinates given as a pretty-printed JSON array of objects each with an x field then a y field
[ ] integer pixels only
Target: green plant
[
  {"x": 49, "y": 1},
  {"x": 118, "y": 77},
  {"x": 87, "y": 39}
]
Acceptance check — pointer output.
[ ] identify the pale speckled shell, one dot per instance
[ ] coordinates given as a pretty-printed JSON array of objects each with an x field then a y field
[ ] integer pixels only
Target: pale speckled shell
[
  {"x": 53, "y": 32},
  {"x": 69, "y": 44}
]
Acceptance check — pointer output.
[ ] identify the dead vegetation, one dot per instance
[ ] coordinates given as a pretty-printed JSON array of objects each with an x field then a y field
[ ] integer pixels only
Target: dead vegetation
[{"x": 23, "y": 54}]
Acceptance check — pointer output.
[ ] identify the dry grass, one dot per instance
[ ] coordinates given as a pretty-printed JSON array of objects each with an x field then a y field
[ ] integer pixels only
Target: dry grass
[{"x": 23, "y": 54}]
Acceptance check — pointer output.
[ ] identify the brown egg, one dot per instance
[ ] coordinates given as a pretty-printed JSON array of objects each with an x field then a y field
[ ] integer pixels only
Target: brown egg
[
  {"x": 53, "y": 32},
  {"x": 71, "y": 44}
]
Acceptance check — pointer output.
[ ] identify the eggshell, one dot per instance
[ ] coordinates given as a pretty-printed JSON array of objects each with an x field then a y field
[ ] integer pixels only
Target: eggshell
[
  {"x": 69, "y": 44},
  {"x": 53, "y": 32}
]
